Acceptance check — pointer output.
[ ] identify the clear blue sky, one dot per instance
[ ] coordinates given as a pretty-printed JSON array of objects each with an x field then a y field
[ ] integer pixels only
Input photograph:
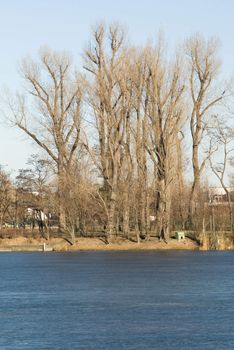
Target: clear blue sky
[{"x": 25, "y": 25}]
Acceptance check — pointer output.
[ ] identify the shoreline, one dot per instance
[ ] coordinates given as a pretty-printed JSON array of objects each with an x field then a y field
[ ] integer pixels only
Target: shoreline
[{"x": 23, "y": 244}]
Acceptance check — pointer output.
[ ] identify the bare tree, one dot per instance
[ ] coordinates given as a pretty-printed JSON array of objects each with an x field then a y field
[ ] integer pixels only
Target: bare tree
[
  {"x": 165, "y": 89},
  {"x": 40, "y": 174},
  {"x": 139, "y": 130},
  {"x": 179, "y": 186},
  {"x": 50, "y": 112},
  {"x": 109, "y": 98},
  {"x": 222, "y": 136},
  {"x": 203, "y": 68},
  {"x": 79, "y": 198},
  {"x": 6, "y": 196}
]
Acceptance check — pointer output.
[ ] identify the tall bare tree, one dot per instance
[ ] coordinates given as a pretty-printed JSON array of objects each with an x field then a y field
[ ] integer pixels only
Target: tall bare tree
[
  {"x": 203, "y": 69},
  {"x": 165, "y": 89},
  {"x": 50, "y": 112},
  {"x": 109, "y": 98},
  {"x": 139, "y": 129}
]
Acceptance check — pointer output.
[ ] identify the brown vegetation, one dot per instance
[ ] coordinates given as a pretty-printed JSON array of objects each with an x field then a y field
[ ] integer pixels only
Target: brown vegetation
[{"x": 112, "y": 161}]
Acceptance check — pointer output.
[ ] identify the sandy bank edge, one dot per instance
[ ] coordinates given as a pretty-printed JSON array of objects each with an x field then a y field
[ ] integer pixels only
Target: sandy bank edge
[{"x": 91, "y": 244}]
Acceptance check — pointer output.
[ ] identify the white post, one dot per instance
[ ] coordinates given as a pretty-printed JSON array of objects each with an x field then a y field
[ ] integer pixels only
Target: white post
[{"x": 44, "y": 247}]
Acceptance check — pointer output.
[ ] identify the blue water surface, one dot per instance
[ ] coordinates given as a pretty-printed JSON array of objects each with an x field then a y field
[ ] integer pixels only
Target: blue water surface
[{"x": 117, "y": 300}]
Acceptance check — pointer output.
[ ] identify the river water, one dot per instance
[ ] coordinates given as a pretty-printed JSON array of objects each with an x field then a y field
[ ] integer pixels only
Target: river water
[{"x": 117, "y": 300}]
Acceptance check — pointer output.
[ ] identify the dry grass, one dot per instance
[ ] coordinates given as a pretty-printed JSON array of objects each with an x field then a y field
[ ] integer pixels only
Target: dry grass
[{"x": 59, "y": 244}]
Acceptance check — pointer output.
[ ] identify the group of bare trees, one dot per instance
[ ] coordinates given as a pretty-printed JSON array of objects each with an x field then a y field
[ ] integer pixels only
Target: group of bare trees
[{"x": 128, "y": 137}]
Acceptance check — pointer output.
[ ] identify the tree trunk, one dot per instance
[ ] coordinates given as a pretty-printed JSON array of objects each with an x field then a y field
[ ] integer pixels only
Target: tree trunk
[
  {"x": 112, "y": 207},
  {"x": 195, "y": 187},
  {"x": 111, "y": 219},
  {"x": 142, "y": 215},
  {"x": 61, "y": 199},
  {"x": 163, "y": 210},
  {"x": 126, "y": 214},
  {"x": 229, "y": 208}
]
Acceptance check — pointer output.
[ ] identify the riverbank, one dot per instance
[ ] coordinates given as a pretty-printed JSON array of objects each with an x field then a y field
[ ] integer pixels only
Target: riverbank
[{"x": 60, "y": 244}]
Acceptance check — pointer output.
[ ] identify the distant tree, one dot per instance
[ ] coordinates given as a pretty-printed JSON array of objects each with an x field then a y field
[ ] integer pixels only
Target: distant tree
[
  {"x": 6, "y": 197},
  {"x": 33, "y": 182},
  {"x": 222, "y": 138}
]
